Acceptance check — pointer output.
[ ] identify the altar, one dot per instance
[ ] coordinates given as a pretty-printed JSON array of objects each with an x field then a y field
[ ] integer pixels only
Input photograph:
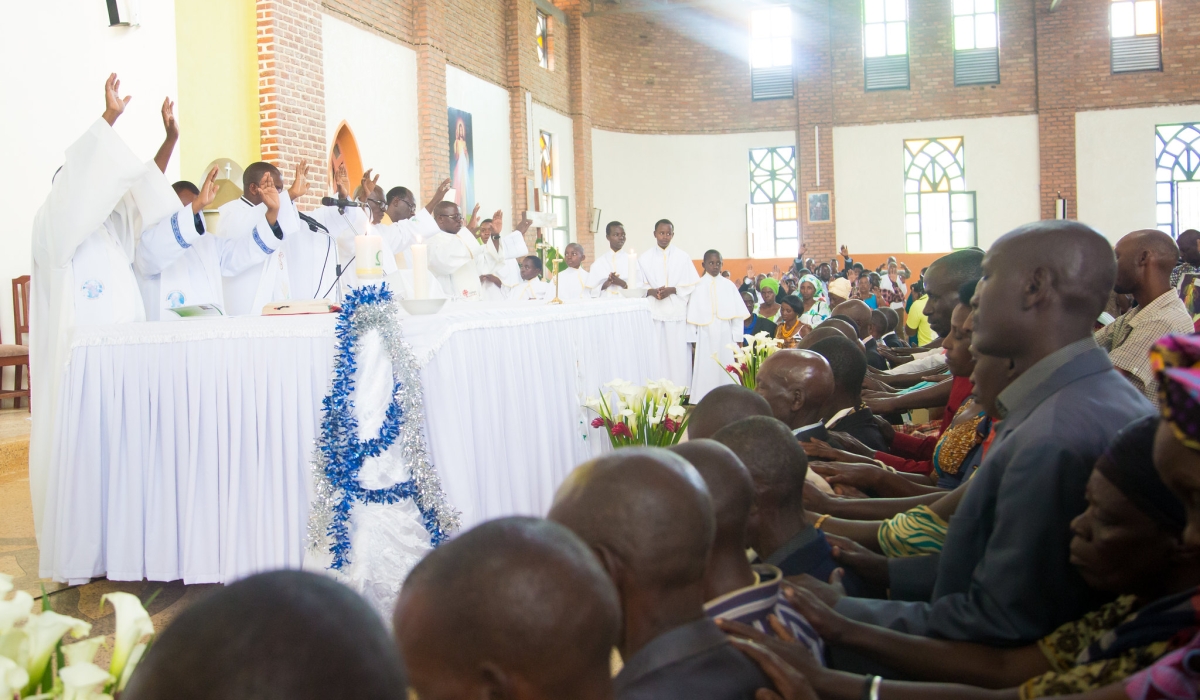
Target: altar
[{"x": 183, "y": 448}]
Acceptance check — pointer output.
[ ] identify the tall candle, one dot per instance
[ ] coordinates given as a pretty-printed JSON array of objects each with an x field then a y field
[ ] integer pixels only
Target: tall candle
[
  {"x": 368, "y": 256},
  {"x": 420, "y": 259}
]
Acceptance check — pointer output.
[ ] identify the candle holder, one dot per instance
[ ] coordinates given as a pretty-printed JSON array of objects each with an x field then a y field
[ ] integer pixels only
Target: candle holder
[{"x": 555, "y": 263}]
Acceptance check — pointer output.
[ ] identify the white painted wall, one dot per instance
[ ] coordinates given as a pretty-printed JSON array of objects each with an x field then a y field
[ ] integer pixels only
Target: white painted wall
[
  {"x": 560, "y": 125},
  {"x": 488, "y": 105},
  {"x": 371, "y": 84},
  {"x": 1002, "y": 168},
  {"x": 699, "y": 182},
  {"x": 59, "y": 52},
  {"x": 1114, "y": 165}
]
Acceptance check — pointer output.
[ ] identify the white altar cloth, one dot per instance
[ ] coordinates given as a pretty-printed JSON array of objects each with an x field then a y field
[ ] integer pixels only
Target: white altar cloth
[{"x": 183, "y": 447}]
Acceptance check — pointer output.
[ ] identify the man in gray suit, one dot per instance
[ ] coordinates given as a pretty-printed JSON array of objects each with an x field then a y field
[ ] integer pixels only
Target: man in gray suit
[{"x": 1004, "y": 575}]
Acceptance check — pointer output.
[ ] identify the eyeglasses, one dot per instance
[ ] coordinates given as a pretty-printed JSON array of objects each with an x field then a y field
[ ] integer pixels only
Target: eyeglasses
[
  {"x": 455, "y": 217},
  {"x": 377, "y": 202}
]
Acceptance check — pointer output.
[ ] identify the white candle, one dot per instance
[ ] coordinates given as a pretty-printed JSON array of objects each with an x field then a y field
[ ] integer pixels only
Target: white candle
[
  {"x": 420, "y": 258},
  {"x": 368, "y": 256}
]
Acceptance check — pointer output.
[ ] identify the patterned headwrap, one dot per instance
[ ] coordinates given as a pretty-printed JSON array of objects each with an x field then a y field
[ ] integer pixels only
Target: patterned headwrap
[
  {"x": 817, "y": 285},
  {"x": 1176, "y": 360},
  {"x": 770, "y": 283}
]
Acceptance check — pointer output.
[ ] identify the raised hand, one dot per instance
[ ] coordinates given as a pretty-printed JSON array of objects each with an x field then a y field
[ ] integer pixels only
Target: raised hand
[
  {"x": 368, "y": 185},
  {"x": 114, "y": 104},
  {"x": 497, "y": 222},
  {"x": 845, "y": 251},
  {"x": 526, "y": 222},
  {"x": 208, "y": 192},
  {"x": 270, "y": 197},
  {"x": 168, "y": 116},
  {"x": 299, "y": 186},
  {"x": 473, "y": 224},
  {"x": 341, "y": 182}
]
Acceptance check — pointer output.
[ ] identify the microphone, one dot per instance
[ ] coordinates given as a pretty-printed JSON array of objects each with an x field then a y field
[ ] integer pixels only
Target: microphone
[{"x": 341, "y": 203}]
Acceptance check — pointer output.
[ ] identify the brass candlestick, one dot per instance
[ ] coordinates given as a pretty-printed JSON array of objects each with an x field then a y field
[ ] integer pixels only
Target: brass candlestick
[{"x": 555, "y": 263}]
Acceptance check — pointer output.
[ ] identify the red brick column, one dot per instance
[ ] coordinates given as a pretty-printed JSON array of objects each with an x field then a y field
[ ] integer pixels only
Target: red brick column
[
  {"x": 291, "y": 90},
  {"x": 1057, "y": 98},
  {"x": 433, "y": 147},
  {"x": 579, "y": 56},
  {"x": 518, "y": 120},
  {"x": 814, "y": 108}
]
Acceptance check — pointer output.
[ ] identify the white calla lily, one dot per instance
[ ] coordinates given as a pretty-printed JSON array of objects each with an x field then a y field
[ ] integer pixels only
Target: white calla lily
[
  {"x": 135, "y": 658},
  {"x": 84, "y": 682},
  {"x": 676, "y": 412},
  {"x": 44, "y": 632},
  {"x": 13, "y": 678},
  {"x": 15, "y": 611},
  {"x": 82, "y": 652},
  {"x": 133, "y": 623}
]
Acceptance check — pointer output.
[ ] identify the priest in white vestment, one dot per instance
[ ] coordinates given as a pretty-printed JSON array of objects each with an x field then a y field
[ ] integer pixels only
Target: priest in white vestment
[
  {"x": 179, "y": 263},
  {"x": 264, "y": 213},
  {"x": 715, "y": 319},
  {"x": 456, "y": 256},
  {"x": 616, "y": 269},
  {"x": 669, "y": 276},
  {"x": 498, "y": 276},
  {"x": 532, "y": 287},
  {"x": 83, "y": 242},
  {"x": 573, "y": 281}
]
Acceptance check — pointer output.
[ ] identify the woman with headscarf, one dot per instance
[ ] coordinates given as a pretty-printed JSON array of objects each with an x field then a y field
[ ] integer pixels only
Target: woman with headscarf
[
  {"x": 788, "y": 329},
  {"x": 815, "y": 308},
  {"x": 768, "y": 289}
]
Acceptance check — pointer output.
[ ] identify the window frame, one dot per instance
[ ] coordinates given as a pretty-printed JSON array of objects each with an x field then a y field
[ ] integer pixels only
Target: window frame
[
  {"x": 958, "y": 159},
  {"x": 784, "y": 183},
  {"x": 544, "y": 39},
  {"x": 1165, "y": 160},
  {"x": 772, "y": 82}
]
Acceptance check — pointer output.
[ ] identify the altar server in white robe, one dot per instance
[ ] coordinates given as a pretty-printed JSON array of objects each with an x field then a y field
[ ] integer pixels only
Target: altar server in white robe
[
  {"x": 531, "y": 288},
  {"x": 83, "y": 243},
  {"x": 456, "y": 256},
  {"x": 498, "y": 276},
  {"x": 263, "y": 212},
  {"x": 669, "y": 276},
  {"x": 616, "y": 269},
  {"x": 573, "y": 281},
  {"x": 715, "y": 322}
]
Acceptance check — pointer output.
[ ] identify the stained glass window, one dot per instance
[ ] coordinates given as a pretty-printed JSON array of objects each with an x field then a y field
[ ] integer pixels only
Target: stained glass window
[
  {"x": 543, "y": 39},
  {"x": 885, "y": 28},
  {"x": 773, "y": 217},
  {"x": 546, "y": 158},
  {"x": 939, "y": 212},
  {"x": 1177, "y": 176}
]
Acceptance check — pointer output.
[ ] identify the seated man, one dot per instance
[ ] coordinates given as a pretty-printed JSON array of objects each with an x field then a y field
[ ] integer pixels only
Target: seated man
[
  {"x": 889, "y": 337},
  {"x": 290, "y": 635},
  {"x": 797, "y": 384},
  {"x": 531, "y": 287},
  {"x": 735, "y": 590},
  {"x": 777, "y": 526},
  {"x": 647, "y": 515},
  {"x": 1144, "y": 263},
  {"x": 722, "y": 406},
  {"x": 845, "y": 410},
  {"x": 512, "y": 603}
]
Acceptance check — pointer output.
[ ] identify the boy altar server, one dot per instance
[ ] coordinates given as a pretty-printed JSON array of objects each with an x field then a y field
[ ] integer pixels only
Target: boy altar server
[
  {"x": 616, "y": 269},
  {"x": 84, "y": 238},
  {"x": 459, "y": 260},
  {"x": 715, "y": 319},
  {"x": 531, "y": 288},
  {"x": 573, "y": 281},
  {"x": 670, "y": 276}
]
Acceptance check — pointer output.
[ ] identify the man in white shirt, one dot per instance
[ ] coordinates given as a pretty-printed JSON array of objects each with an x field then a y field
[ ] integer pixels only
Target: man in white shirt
[
  {"x": 670, "y": 276},
  {"x": 715, "y": 316},
  {"x": 616, "y": 269},
  {"x": 455, "y": 255},
  {"x": 497, "y": 276},
  {"x": 531, "y": 288},
  {"x": 83, "y": 244},
  {"x": 573, "y": 281},
  {"x": 409, "y": 223}
]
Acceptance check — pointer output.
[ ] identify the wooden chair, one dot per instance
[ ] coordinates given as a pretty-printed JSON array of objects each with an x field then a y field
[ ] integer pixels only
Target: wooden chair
[{"x": 17, "y": 355}]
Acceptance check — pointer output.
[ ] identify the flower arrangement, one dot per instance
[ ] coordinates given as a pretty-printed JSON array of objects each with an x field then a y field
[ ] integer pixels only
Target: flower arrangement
[
  {"x": 652, "y": 415},
  {"x": 31, "y": 647},
  {"x": 748, "y": 358}
]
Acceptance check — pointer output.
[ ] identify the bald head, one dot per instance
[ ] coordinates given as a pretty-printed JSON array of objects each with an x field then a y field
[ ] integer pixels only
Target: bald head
[
  {"x": 724, "y": 405},
  {"x": 1049, "y": 277},
  {"x": 282, "y": 635},
  {"x": 1189, "y": 246},
  {"x": 1145, "y": 259},
  {"x": 942, "y": 281},
  {"x": 447, "y": 216},
  {"x": 857, "y": 311},
  {"x": 729, "y": 485},
  {"x": 847, "y": 331},
  {"x": 522, "y": 598},
  {"x": 647, "y": 510},
  {"x": 818, "y": 334},
  {"x": 774, "y": 458},
  {"x": 796, "y": 384}
]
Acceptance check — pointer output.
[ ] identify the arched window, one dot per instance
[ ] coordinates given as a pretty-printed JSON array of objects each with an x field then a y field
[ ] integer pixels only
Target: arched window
[
  {"x": 1177, "y": 175},
  {"x": 344, "y": 154},
  {"x": 939, "y": 212}
]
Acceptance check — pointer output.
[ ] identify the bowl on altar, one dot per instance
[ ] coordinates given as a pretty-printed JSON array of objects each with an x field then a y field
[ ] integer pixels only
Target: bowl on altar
[
  {"x": 422, "y": 307},
  {"x": 636, "y": 293}
]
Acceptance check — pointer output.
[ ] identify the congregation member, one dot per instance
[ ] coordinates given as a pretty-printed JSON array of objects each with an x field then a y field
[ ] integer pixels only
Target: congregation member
[
  {"x": 83, "y": 245},
  {"x": 617, "y": 268},
  {"x": 755, "y": 324},
  {"x": 458, "y": 259},
  {"x": 514, "y": 608},
  {"x": 715, "y": 316},
  {"x": 647, "y": 515},
  {"x": 573, "y": 281},
  {"x": 815, "y": 309},
  {"x": 796, "y": 385},
  {"x": 844, "y": 410},
  {"x": 531, "y": 287},
  {"x": 735, "y": 590},
  {"x": 281, "y": 635},
  {"x": 1189, "y": 256},
  {"x": 838, "y": 290},
  {"x": 1004, "y": 574},
  {"x": 722, "y": 406},
  {"x": 888, "y": 321},
  {"x": 892, "y": 289},
  {"x": 864, "y": 290},
  {"x": 777, "y": 528},
  {"x": 1145, "y": 260},
  {"x": 790, "y": 328},
  {"x": 768, "y": 290},
  {"x": 860, "y": 314},
  {"x": 669, "y": 277}
]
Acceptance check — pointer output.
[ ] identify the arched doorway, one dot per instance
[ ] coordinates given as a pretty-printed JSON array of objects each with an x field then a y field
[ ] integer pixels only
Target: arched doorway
[{"x": 344, "y": 153}]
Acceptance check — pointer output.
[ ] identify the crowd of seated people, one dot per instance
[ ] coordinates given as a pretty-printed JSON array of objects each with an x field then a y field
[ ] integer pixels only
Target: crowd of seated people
[{"x": 1038, "y": 536}]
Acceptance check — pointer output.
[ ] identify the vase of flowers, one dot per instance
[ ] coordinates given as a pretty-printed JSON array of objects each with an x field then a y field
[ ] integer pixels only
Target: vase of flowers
[
  {"x": 631, "y": 414},
  {"x": 748, "y": 358}
]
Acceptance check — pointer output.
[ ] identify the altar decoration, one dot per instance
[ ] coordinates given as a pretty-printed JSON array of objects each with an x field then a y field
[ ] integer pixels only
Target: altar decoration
[
  {"x": 340, "y": 453},
  {"x": 748, "y": 358},
  {"x": 34, "y": 662},
  {"x": 634, "y": 415}
]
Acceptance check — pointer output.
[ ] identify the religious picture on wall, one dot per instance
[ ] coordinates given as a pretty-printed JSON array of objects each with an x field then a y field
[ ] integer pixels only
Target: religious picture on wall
[
  {"x": 462, "y": 164},
  {"x": 818, "y": 207},
  {"x": 546, "y": 158}
]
